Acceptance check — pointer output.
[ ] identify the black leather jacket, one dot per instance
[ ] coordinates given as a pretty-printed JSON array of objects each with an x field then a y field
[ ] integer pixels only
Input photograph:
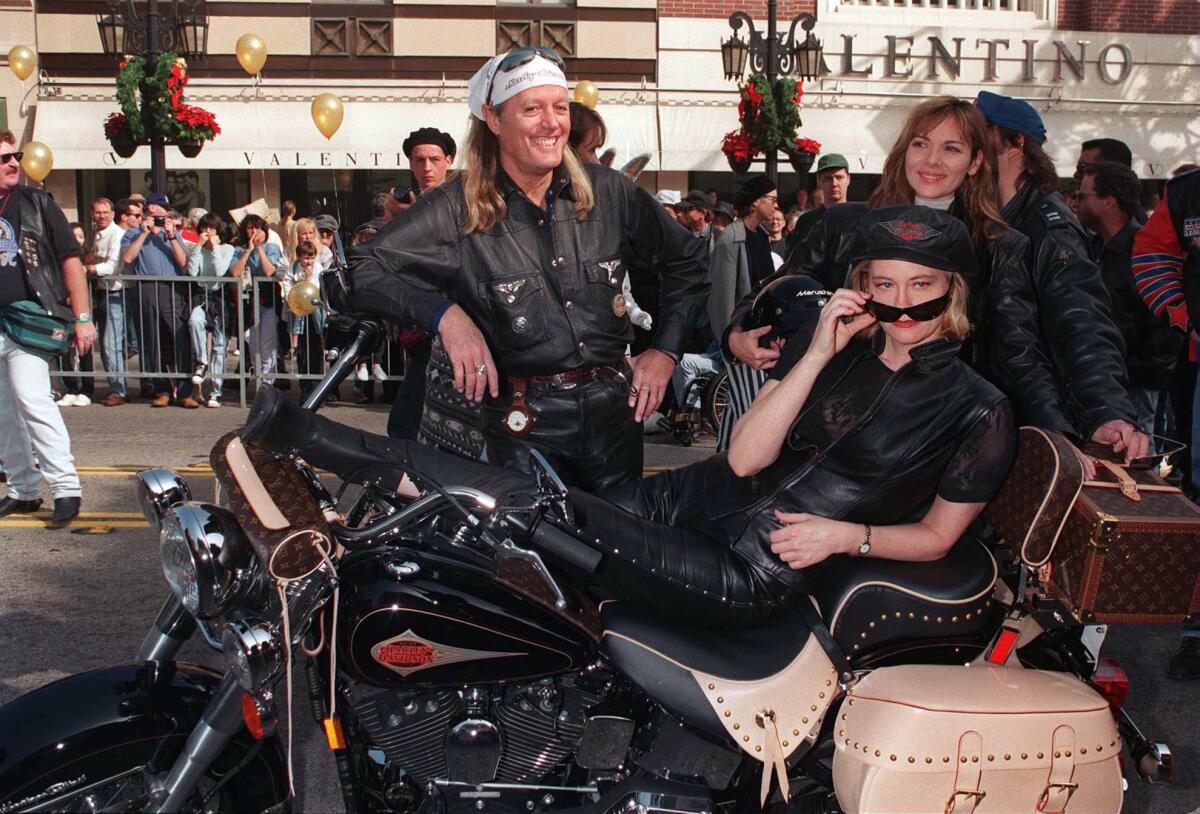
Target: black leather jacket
[
  {"x": 43, "y": 271},
  {"x": 1081, "y": 365},
  {"x": 874, "y": 456},
  {"x": 545, "y": 292}
]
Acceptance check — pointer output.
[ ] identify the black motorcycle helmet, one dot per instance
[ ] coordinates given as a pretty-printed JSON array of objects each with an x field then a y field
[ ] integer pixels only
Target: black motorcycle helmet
[{"x": 788, "y": 305}]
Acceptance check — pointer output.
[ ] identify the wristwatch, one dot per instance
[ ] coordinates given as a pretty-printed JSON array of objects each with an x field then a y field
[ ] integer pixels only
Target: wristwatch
[
  {"x": 864, "y": 548},
  {"x": 83, "y": 319}
]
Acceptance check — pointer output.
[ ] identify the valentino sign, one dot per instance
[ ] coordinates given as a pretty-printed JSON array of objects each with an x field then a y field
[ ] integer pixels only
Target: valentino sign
[{"x": 942, "y": 58}]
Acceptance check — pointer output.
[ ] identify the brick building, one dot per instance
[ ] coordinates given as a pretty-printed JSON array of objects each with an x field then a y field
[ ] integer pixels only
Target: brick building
[{"x": 1092, "y": 67}]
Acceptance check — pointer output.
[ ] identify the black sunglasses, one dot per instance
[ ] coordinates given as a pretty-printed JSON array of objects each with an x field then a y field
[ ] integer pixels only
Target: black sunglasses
[
  {"x": 921, "y": 312},
  {"x": 523, "y": 56},
  {"x": 17, "y": 156}
]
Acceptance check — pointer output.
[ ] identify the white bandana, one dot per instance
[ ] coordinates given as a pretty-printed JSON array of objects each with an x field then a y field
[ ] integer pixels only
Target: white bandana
[{"x": 535, "y": 73}]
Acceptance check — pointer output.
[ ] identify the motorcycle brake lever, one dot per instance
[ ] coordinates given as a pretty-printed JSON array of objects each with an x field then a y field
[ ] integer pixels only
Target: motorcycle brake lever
[{"x": 507, "y": 549}]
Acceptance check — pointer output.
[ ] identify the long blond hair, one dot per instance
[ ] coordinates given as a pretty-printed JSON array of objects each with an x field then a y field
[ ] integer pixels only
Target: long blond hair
[
  {"x": 979, "y": 192},
  {"x": 481, "y": 179},
  {"x": 955, "y": 324}
]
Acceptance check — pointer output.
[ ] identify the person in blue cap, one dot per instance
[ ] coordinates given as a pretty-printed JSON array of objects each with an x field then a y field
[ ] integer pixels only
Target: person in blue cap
[{"x": 1086, "y": 350}]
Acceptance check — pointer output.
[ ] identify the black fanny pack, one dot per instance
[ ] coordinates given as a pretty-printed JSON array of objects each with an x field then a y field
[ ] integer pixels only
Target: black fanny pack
[{"x": 27, "y": 323}]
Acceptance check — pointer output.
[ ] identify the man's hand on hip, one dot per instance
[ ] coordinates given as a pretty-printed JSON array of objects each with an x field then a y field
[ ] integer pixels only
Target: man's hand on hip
[
  {"x": 651, "y": 372},
  {"x": 85, "y": 336},
  {"x": 474, "y": 371}
]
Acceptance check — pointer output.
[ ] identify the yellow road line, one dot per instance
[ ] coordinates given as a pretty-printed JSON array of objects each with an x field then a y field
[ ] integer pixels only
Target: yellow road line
[
  {"x": 32, "y": 523},
  {"x": 98, "y": 515}
]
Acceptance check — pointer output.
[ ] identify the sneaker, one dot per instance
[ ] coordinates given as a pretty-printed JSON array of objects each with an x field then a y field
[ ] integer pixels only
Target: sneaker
[
  {"x": 378, "y": 372},
  {"x": 199, "y": 373},
  {"x": 67, "y": 401},
  {"x": 213, "y": 401},
  {"x": 1185, "y": 665},
  {"x": 82, "y": 400},
  {"x": 361, "y": 374}
]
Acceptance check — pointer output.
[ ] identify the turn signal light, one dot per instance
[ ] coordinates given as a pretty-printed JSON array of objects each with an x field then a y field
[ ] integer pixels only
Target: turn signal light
[
  {"x": 1111, "y": 682},
  {"x": 252, "y": 716}
]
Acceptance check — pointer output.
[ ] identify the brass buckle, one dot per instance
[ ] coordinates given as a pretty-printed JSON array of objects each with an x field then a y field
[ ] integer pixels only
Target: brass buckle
[
  {"x": 1045, "y": 798},
  {"x": 953, "y": 801}
]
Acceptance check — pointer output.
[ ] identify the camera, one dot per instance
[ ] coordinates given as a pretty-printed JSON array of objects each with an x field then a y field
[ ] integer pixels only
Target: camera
[{"x": 160, "y": 220}]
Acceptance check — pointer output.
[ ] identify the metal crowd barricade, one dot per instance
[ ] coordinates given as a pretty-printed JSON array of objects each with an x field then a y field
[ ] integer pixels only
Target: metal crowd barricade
[{"x": 159, "y": 328}]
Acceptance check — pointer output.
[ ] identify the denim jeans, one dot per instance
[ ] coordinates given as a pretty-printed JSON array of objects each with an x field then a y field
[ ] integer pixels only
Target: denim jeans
[
  {"x": 30, "y": 418},
  {"x": 691, "y": 366},
  {"x": 211, "y": 315},
  {"x": 112, "y": 348},
  {"x": 264, "y": 343}
]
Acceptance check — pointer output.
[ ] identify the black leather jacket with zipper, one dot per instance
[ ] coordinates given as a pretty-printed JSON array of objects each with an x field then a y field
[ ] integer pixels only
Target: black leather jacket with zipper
[{"x": 546, "y": 292}]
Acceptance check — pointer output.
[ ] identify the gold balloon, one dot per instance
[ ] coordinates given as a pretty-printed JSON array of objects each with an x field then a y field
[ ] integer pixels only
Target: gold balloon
[
  {"x": 251, "y": 53},
  {"x": 587, "y": 94},
  {"x": 304, "y": 298},
  {"x": 38, "y": 160},
  {"x": 22, "y": 61},
  {"x": 327, "y": 112}
]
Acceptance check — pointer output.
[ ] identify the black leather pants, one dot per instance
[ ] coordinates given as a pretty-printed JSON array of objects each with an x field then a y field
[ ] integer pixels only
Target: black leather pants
[
  {"x": 661, "y": 551},
  {"x": 587, "y": 434}
]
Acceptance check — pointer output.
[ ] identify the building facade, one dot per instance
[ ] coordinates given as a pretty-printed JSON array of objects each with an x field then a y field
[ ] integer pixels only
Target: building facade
[{"x": 1093, "y": 68}]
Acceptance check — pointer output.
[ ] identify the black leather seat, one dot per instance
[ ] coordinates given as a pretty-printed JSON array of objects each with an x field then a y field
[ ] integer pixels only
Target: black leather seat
[
  {"x": 657, "y": 654},
  {"x": 871, "y": 604}
]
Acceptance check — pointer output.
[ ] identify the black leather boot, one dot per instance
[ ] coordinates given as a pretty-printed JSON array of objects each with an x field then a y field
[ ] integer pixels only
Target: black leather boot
[{"x": 284, "y": 427}]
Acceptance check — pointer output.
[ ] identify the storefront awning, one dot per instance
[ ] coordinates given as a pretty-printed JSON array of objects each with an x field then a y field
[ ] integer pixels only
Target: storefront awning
[{"x": 680, "y": 134}]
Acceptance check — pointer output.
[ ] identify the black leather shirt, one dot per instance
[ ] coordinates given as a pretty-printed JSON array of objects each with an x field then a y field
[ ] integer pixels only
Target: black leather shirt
[
  {"x": 872, "y": 445},
  {"x": 544, "y": 288}
]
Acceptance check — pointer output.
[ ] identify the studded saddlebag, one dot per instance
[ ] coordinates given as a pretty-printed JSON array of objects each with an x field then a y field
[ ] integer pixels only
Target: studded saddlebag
[{"x": 975, "y": 740}]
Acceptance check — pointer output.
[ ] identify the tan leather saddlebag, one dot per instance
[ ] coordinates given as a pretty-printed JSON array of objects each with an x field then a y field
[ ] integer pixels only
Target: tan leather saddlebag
[{"x": 975, "y": 740}]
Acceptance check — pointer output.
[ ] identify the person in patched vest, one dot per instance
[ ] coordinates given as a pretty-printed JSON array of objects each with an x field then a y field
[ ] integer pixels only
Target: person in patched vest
[
  {"x": 42, "y": 279},
  {"x": 518, "y": 263}
]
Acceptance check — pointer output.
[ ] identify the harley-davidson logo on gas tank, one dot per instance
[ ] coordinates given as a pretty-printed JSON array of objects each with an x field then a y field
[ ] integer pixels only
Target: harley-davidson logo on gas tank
[{"x": 409, "y": 653}]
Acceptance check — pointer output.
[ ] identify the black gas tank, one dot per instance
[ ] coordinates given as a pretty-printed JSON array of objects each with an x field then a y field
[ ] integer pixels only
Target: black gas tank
[{"x": 411, "y": 619}]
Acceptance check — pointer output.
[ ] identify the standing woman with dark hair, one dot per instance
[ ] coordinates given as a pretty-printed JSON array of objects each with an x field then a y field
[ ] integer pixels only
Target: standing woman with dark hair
[{"x": 256, "y": 259}]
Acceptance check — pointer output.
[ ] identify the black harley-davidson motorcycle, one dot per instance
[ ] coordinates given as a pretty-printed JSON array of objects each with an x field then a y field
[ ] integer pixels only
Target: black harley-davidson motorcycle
[{"x": 454, "y": 668}]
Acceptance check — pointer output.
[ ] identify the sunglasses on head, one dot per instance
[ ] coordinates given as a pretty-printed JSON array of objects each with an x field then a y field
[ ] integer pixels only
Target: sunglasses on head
[
  {"x": 921, "y": 312},
  {"x": 523, "y": 56},
  {"x": 14, "y": 157}
]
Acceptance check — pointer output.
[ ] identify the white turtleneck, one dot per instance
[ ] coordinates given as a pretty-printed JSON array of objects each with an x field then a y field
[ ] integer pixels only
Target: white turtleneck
[{"x": 943, "y": 204}]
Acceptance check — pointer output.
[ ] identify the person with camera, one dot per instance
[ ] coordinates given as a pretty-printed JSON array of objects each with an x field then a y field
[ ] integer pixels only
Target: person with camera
[{"x": 156, "y": 252}]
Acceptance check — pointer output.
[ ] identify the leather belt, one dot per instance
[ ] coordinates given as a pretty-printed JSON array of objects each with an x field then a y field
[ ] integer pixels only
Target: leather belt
[{"x": 566, "y": 380}]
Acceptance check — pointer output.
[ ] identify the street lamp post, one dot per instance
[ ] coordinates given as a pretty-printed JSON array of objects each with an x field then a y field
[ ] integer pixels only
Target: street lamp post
[
  {"x": 773, "y": 55},
  {"x": 123, "y": 30}
]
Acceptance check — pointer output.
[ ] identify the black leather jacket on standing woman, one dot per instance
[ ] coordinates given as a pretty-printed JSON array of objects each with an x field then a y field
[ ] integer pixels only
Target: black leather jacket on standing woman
[{"x": 545, "y": 292}]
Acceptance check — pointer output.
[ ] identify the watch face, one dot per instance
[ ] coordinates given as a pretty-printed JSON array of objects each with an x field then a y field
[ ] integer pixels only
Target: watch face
[{"x": 864, "y": 548}]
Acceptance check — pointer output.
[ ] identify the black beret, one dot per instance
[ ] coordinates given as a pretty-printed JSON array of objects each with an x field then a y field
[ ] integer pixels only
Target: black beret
[
  {"x": 755, "y": 187},
  {"x": 429, "y": 135},
  {"x": 918, "y": 234}
]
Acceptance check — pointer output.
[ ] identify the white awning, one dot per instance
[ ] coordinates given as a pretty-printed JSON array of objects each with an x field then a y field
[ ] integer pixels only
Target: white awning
[{"x": 680, "y": 134}]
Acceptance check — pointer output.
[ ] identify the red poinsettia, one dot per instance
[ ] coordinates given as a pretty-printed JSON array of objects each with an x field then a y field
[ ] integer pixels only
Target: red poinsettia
[
  {"x": 807, "y": 145},
  {"x": 114, "y": 124},
  {"x": 196, "y": 123},
  {"x": 738, "y": 146}
]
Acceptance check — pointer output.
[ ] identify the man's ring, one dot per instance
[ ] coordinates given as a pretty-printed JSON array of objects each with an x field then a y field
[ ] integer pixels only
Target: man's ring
[{"x": 481, "y": 369}]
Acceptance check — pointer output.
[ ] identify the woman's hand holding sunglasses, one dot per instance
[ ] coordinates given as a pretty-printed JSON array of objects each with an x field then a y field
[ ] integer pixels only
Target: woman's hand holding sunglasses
[{"x": 842, "y": 317}]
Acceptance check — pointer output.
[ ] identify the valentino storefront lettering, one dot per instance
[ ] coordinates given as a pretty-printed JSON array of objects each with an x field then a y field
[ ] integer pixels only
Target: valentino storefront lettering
[
  {"x": 311, "y": 159},
  {"x": 942, "y": 57}
]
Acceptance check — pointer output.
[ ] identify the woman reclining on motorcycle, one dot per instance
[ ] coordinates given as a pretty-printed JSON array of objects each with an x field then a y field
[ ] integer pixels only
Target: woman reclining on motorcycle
[{"x": 873, "y": 439}]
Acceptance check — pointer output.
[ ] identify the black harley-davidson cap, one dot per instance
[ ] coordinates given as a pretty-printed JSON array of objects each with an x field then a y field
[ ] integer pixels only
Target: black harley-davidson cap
[{"x": 918, "y": 234}]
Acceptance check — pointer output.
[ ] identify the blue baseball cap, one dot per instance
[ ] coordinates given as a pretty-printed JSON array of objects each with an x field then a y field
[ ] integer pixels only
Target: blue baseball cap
[
  {"x": 1015, "y": 114},
  {"x": 158, "y": 199}
]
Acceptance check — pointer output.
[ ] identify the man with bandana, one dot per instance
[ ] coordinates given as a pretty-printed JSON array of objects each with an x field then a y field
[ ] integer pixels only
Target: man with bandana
[{"x": 518, "y": 264}]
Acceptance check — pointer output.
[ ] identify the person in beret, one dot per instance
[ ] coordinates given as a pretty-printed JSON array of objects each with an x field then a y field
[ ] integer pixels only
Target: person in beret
[
  {"x": 1086, "y": 348},
  {"x": 430, "y": 153},
  {"x": 912, "y": 445}
]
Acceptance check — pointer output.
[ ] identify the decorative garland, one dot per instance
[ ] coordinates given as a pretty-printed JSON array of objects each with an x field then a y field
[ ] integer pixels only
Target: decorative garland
[
  {"x": 769, "y": 117},
  {"x": 164, "y": 104}
]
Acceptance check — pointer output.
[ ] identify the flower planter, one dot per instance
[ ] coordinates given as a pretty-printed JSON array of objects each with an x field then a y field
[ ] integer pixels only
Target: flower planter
[
  {"x": 123, "y": 144},
  {"x": 739, "y": 167},
  {"x": 801, "y": 161},
  {"x": 191, "y": 149}
]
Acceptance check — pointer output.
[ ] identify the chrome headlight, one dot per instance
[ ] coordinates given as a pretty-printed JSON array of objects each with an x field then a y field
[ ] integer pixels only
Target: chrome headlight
[
  {"x": 204, "y": 552},
  {"x": 253, "y": 653},
  {"x": 159, "y": 490}
]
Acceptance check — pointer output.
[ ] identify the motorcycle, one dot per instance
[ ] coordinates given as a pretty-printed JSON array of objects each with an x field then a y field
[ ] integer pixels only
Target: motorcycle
[{"x": 454, "y": 669}]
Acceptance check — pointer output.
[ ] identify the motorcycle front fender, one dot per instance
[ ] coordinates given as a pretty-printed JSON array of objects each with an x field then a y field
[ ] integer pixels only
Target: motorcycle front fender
[{"x": 96, "y": 725}]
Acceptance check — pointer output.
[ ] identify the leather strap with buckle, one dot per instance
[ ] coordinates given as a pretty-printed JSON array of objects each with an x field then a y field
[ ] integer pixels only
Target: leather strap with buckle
[
  {"x": 568, "y": 378},
  {"x": 519, "y": 420},
  {"x": 968, "y": 774},
  {"x": 1059, "y": 786}
]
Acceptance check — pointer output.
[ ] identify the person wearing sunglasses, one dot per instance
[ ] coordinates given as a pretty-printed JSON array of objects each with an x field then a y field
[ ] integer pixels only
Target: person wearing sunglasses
[
  {"x": 40, "y": 270},
  {"x": 518, "y": 262},
  {"x": 872, "y": 439}
]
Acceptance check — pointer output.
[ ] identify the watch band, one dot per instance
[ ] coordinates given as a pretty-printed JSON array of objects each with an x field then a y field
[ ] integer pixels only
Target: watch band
[
  {"x": 864, "y": 548},
  {"x": 83, "y": 319}
]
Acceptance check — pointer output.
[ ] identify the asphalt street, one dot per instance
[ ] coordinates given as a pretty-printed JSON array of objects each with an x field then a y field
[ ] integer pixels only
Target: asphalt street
[{"x": 82, "y": 597}]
